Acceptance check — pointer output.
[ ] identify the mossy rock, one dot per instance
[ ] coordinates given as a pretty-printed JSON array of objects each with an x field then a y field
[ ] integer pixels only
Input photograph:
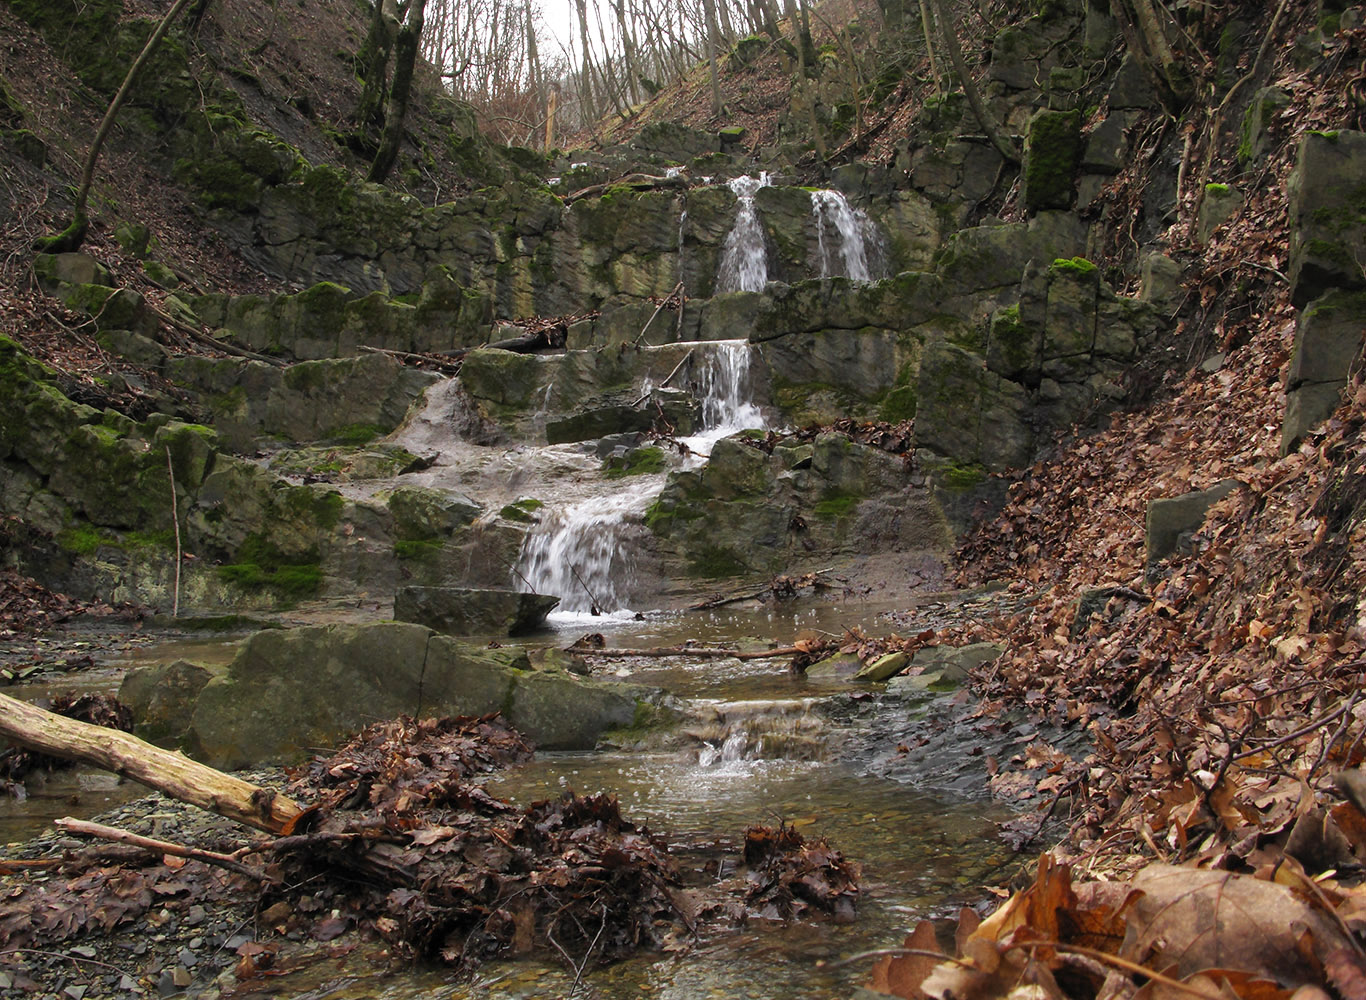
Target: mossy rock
[
  {"x": 1053, "y": 148},
  {"x": 636, "y": 462}
]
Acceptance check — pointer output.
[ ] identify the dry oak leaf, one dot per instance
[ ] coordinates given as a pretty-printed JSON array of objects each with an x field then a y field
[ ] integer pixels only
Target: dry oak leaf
[
  {"x": 1194, "y": 920},
  {"x": 901, "y": 975}
]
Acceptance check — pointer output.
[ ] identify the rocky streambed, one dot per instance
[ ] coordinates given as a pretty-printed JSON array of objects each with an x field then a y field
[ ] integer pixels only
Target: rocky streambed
[{"x": 749, "y": 744}]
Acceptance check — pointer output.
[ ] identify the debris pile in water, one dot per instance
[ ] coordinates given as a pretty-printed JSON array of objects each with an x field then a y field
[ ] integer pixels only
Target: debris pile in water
[
  {"x": 789, "y": 876},
  {"x": 449, "y": 872}
]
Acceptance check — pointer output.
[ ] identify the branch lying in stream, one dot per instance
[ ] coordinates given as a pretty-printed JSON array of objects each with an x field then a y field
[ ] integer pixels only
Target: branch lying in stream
[{"x": 701, "y": 652}]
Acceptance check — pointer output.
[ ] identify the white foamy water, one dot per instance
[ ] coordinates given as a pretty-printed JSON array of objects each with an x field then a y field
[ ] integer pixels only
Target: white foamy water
[
  {"x": 847, "y": 240},
  {"x": 726, "y": 393},
  {"x": 744, "y": 258},
  {"x": 584, "y": 554},
  {"x": 587, "y": 554}
]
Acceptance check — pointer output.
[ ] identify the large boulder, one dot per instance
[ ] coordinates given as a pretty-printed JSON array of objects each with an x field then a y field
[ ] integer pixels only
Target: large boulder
[
  {"x": 351, "y": 399},
  {"x": 291, "y": 692},
  {"x": 1171, "y": 519},
  {"x": 161, "y": 697},
  {"x": 1328, "y": 341},
  {"x": 460, "y": 611},
  {"x": 1327, "y": 214}
]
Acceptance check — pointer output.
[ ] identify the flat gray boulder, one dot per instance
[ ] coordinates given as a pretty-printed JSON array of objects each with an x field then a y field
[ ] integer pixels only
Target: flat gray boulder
[
  {"x": 461, "y": 611},
  {"x": 293, "y": 692}
]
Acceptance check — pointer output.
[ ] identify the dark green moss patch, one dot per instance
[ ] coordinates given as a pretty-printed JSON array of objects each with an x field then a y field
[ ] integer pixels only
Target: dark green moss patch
[
  {"x": 85, "y": 539},
  {"x": 522, "y": 511},
  {"x": 417, "y": 549},
  {"x": 261, "y": 565},
  {"x": 358, "y": 434},
  {"x": 835, "y": 506},
  {"x": 714, "y": 562},
  {"x": 962, "y": 477}
]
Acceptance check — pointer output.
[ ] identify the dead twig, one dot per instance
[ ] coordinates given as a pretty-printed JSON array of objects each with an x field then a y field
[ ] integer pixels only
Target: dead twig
[{"x": 84, "y": 828}]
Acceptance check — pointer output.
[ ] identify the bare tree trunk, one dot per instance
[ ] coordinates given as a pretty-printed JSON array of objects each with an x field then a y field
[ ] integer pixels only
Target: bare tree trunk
[
  {"x": 552, "y": 105},
  {"x": 710, "y": 8},
  {"x": 372, "y": 63},
  {"x": 126, "y": 755},
  {"x": 949, "y": 33},
  {"x": 804, "y": 85},
  {"x": 1155, "y": 52},
  {"x": 628, "y": 51},
  {"x": 74, "y": 235},
  {"x": 927, "y": 24},
  {"x": 586, "y": 101},
  {"x": 405, "y": 57}
]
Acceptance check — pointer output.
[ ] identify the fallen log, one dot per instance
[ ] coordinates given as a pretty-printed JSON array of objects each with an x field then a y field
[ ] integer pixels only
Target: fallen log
[
  {"x": 126, "y": 755},
  {"x": 637, "y": 182},
  {"x": 702, "y": 652}
]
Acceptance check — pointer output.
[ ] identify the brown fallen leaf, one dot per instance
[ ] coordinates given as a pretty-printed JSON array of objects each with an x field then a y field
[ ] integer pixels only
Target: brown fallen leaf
[
  {"x": 901, "y": 975},
  {"x": 1196, "y": 920}
]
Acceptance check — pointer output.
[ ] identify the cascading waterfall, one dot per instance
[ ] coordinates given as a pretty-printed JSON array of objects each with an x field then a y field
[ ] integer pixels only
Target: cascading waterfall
[
  {"x": 851, "y": 252},
  {"x": 724, "y": 387},
  {"x": 586, "y": 554},
  {"x": 729, "y": 733},
  {"x": 583, "y": 554},
  {"x": 744, "y": 258}
]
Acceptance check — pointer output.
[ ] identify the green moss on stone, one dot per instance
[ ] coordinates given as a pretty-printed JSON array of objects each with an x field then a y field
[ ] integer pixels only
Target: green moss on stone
[
  {"x": 1074, "y": 265},
  {"x": 84, "y": 539},
  {"x": 637, "y": 462},
  {"x": 835, "y": 506},
  {"x": 899, "y": 404},
  {"x": 956, "y": 476},
  {"x": 260, "y": 565},
  {"x": 358, "y": 434},
  {"x": 1052, "y": 154},
  {"x": 416, "y": 549}
]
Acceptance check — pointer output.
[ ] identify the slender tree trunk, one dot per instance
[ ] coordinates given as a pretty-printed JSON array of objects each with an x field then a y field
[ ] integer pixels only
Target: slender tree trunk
[
  {"x": 74, "y": 235},
  {"x": 586, "y": 101},
  {"x": 927, "y": 24},
  {"x": 710, "y": 8},
  {"x": 949, "y": 32},
  {"x": 405, "y": 57},
  {"x": 1156, "y": 52},
  {"x": 534, "y": 65},
  {"x": 372, "y": 63},
  {"x": 552, "y": 104}
]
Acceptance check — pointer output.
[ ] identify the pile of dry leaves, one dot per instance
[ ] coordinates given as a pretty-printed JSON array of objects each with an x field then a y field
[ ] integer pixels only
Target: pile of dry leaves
[
  {"x": 789, "y": 876},
  {"x": 400, "y": 841}
]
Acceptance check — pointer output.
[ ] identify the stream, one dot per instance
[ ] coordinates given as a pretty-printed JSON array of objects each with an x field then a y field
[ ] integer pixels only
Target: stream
[{"x": 754, "y": 744}]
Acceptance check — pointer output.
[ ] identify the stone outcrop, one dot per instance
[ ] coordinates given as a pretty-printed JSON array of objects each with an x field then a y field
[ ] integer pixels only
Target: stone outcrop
[
  {"x": 290, "y": 692},
  {"x": 352, "y": 399},
  {"x": 1172, "y": 519},
  {"x": 1327, "y": 215},
  {"x": 1327, "y": 275},
  {"x": 331, "y": 321},
  {"x": 463, "y": 611},
  {"x": 747, "y": 512}
]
